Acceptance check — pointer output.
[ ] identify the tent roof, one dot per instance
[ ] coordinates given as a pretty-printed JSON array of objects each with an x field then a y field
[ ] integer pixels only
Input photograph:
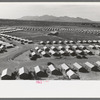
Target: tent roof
[
  {"x": 64, "y": 66},
  {"x": 6, "y": 72},
  {"x": 78, "y": 51},
  {"x": 22, "y": 70},
  {"x": 89, "y": 64},
  {"x": 51, "y": 67},
  {"x": 70, "y": 73},
  {"x": 37, "y": 69},
  {"x": 77, "y": 65},
  {"x": 98, "y": 62}
]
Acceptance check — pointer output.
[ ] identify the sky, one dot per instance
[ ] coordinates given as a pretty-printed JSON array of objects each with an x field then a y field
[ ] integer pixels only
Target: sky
[{"x": 17, "y": 10}]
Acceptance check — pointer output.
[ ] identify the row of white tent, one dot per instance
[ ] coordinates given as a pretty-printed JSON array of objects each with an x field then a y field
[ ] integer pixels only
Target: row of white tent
[
  {"x": 69, "y": 42},
  {"x": 41, "y": 28},
  {"x": 66, "y": 47},
  {"x": 16, "y": 38},
  {"x": 38, "y": 71},
  {"x": 10, "y": 30},
  {"x": 46, "y": 52},
  {"x": 61, "y": 29}
]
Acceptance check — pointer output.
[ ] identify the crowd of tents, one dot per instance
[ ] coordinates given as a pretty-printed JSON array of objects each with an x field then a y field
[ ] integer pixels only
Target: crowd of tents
[
  {"x": 17, "y": 38},
  {"x": 39, "y": 72},
  {"x": 9, "y": 29},
  {"x": 67, "y": 29},
  {"x": 80, "y": 51}
]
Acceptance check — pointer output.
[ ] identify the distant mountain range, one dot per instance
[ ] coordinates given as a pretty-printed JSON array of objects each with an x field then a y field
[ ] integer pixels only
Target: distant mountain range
[{"x": 54, "y": 18}]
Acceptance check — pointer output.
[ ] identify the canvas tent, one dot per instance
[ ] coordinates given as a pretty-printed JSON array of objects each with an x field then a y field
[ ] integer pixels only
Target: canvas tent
[
  {"x": 53, "y": 70},
  {"x": 45, "y": 54},
  {"x": 61, "y": 47},
  {"x": 67, "y": 46},
  {"x": 6, "y": 74},
  {"x": 79, "y": 41},
  {"x": 84, "y": 41},
  {"x": 46, "y": 48},
  {"x": 89, "y": 41},
  {"x": 91, "y": 46},
  {"x": 23, "y": 73},
  {"x": 94, "y": 41},
  {"x": 65, "y": 41},
  {"x": 74, "y": 47},
  {"x": 79, "y": 67},
  {"x": 42, "y": 42},
  {"x": 82, "y": 47},
  {"x": 98, "y": 64},
  {"x": 71, "y": 52},
  {"x": 87, "y": 52},
  {"x": 60, "y": 42},
  {"x": 39, "y": 51},
  {"x": 54, "y": 48},
  {"x": 64, "y": 67},
  {"x": 54, "y": 42},
  {"x": 39, "y": 71},
  {"x": 64, "y": 53},
  {"x": 33, "y": 56},
  {"x": 72, "y": 75},
  {"x": 48, "y": 42},
  {"x": 54, "y": 53},
  {"x": 90, "y": 66},
  {"x": 36, "y": 48}
]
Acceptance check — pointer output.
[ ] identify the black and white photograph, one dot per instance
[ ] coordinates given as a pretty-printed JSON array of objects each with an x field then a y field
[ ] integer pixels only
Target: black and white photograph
[{"x": 49, "y": 41}]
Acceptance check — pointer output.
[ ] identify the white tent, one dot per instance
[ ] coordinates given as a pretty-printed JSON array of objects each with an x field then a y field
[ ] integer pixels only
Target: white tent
[
  {"x": 95, "y": 41},
  {"x": 53, "y": 70},
  {"x": 98, "y": 64},
  {"x": 41, "y": 42},
  {"x": 6, "y": 74},
  {"x": 71, "y": 41},
  {"x": 46, "y": 48},
  {"x": 67, "y": 46},
  {"x": 54, "y": 48},
  {"x": 39, "y": 51},
  {"x": 61, "y": 47},
  {"x": 72, "y": 75},
  {"x": 98, "y": 41},
  {"x": 65, "y": 41},
  {"x": 23, "y": 73},
  {"x": 48, "y": 42},
  {"x": 79, "y": 67},
  {"x": 87, "y": 52},
  {"x": 64, "y": 53},
  {"x": 54, "y": 42},
  {"x": 64, "y": 67},
  {"x": 89, "y": 41},
  {"x": 74, "y": 46},
  {"x": 79, "y": 41},
  {"x": 84, "y": 41},
  {"x": 39, "y": 71},
  {"x": 34, "y": 56},
  {"x": 90, "y": 66},
  {"x": 78, "y": 51},
  {"x": 54, "y": 53},
  {"x": 36, "y": 48},
  {"x": 91, "y": 46},
  {"x": 60, "y": 42},
  {"x": 81, "y": 47},
  {"x": 45, "y": 54}
]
